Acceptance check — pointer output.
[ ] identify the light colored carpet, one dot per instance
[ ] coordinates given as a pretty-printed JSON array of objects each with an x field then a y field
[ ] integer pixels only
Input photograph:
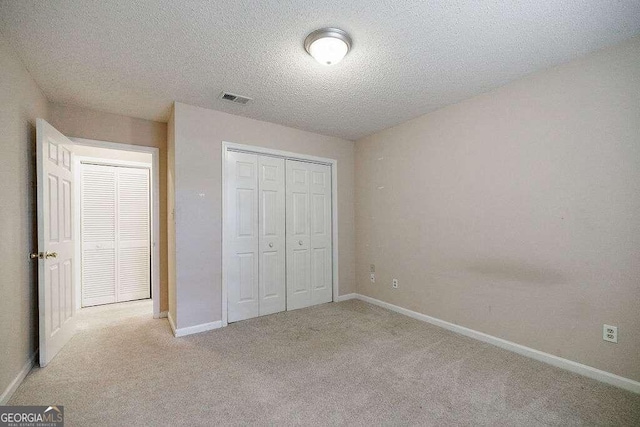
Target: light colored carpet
[
  {"x": 103, "y": 316},
  {"x": 339, "y": 363}
]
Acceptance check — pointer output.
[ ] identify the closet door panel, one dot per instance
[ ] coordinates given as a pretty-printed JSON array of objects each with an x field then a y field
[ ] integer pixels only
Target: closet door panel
[
  {"x": 272, "y": 285},
  {"x": 98, "y": 225},
  {"x": 134, "y": 255},
  {"x": 242, "y": 231},
  {"x": 320, "y": 236},
  {"x": 298, "y": 235},
  {"x": 309, "y": 231}
]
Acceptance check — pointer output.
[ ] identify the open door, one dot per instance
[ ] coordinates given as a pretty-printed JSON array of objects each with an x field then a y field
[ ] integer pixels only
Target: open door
[{"x": 55, "y": 240}]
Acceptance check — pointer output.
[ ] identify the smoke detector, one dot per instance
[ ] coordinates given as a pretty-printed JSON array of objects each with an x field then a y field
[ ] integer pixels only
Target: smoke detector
[{"x": 238, "y": 99}]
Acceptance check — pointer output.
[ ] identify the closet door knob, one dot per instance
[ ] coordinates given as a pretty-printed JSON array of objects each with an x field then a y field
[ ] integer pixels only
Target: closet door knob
[
  {"x": 300, "y": 242},
  {"x": 270, "y": 245}
]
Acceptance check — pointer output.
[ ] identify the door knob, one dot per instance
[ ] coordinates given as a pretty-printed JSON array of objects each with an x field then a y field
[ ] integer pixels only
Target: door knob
[
  {"x": 300, "y": 242},
  {"x": 270, "y": 245},
  {"x": 43, "y": 255}
]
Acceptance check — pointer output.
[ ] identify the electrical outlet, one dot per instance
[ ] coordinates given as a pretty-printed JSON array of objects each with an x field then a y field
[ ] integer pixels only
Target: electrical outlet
[
  {"x": 610, "y": 333},
  {"x": 395, "y": 284},
  {"x": 373, "y": 278},
  {"x": 372, "y": 268}
]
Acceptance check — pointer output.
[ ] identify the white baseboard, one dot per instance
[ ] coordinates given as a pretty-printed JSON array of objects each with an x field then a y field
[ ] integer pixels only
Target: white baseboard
[
  {"x": 189, "y": 330},
  {"x": 6, "y": 395},
  {"x": 171, "y": 323},
  {"x": 345, "y": 297},
  {"x": 569, "y": 365},
  {"x": 162, "y": 315}
]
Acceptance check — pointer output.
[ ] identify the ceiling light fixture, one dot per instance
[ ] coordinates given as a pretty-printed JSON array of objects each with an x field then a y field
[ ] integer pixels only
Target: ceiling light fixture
[{"x": 328, "y": 45}]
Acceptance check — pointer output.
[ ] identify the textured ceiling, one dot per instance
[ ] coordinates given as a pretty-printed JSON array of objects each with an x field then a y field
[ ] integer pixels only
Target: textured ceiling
[{"x": 409, "y": 57}]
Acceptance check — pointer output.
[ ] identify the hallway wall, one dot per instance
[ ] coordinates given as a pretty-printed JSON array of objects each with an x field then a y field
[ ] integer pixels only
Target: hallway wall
[
  {"x": 89, "y": 124},
  {"x": 22, "y": 102}
]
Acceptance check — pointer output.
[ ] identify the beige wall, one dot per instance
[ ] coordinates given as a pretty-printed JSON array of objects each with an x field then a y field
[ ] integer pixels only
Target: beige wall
[
  {"x": 109, "y": 154},
  {"x": 516, "y": 213},
  {"x": 198, "y": 190},
  {"x": 83, "y": 123},
  {"x": 22, "y": 102}
]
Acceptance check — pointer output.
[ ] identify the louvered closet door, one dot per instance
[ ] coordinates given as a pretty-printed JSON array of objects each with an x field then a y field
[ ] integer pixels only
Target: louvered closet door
[
  {"x": 115, "y": 218},
  {"x": 134, "y": 266},
  {"x": 98, "y": 219}
]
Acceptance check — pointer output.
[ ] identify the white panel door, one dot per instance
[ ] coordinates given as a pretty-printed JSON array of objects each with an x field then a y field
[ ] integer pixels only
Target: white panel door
[
  {"x": 272, "y": 235},
  {"x": 242, "y": 242},
  {"x": 55, "y": 240},
  {"x": 320, "y": 233},
  {"x": 134, "y": 234},
  {"x": 298, "y": 239},
  {"x": 309, "y": 265},
  {"x": 115, "y": 217}
]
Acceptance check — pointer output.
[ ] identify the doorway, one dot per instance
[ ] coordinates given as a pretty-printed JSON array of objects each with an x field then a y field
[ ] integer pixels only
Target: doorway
[
  {"x": 115, "y": 238},
  {"x": 58, "y": 174},
  {"x": 117, "y": 219}
]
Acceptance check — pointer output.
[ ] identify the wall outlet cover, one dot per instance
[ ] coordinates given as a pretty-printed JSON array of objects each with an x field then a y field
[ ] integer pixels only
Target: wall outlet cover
[{"x": 610, "y": 333}]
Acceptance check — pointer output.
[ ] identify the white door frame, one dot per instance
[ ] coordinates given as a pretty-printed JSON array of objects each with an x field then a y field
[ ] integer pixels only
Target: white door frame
[
  {"x": 287, "y": 155},
  {"x": 155, "y": 207}
]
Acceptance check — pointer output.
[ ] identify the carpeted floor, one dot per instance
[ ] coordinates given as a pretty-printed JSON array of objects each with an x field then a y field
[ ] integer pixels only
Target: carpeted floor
[{"x": 339, "y": 363}]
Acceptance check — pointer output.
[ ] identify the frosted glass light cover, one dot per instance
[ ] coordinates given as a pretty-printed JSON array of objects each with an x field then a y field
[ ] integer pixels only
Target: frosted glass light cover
[{"x": 328, "y": 50}]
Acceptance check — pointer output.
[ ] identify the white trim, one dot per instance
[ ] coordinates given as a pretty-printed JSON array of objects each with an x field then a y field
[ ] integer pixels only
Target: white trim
[
  {"x": 171, "y": 323},
  {"x": 155, "y": 206},
  {"x": 198, "y": 328},
  {"x": 334, "y": 227},
  {"x": 190, "y": 330},
  {"x": 287, "y": 155},
  {"x": 559, "y": 362},
  {"x": 114, "y": 162},
  {"x": 13, "y": 386},
  {"x": 162, "y": 315},
  {"x": 345, "y": 297}
]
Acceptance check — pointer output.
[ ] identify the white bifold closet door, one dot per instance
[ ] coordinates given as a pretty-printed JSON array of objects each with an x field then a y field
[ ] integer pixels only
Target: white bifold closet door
[
  {"x": 115, "y": 215},
  {"x": 255, "y": 222},
  {"x": 309, "y": 254}
]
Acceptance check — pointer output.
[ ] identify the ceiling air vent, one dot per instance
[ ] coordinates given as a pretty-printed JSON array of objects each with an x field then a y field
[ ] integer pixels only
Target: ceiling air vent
[{"x": 238, "y": 99}]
